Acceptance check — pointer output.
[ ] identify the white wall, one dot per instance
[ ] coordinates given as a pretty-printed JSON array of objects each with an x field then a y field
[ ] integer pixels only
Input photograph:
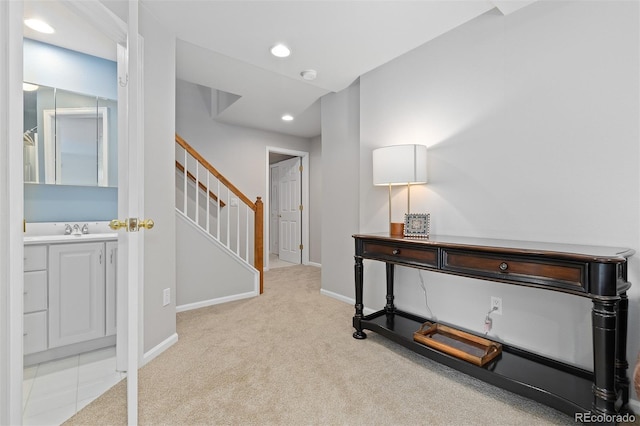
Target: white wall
[
  {"x": 236, "y": 152},
  {"x": 205, "y": 272},
  {"x": 159, "y": 180},
  {"x": 315, "y": 200},
  {"x": 239, "y": 153},
  {"x": 532, "y": 125},
  {"x": 340, "y": 182}
]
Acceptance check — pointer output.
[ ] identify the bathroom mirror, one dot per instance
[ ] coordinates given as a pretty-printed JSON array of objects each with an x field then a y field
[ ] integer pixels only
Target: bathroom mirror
[{"x": 69, "y": 138}]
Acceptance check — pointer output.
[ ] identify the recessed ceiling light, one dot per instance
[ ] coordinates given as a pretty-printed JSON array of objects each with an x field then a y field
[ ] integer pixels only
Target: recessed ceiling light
[
  {"x": 38, "y": 25},
  {"x": 280, "y": 51},
  {"x": 287, "y": 117},
  {"x": 28, "y": 87}
]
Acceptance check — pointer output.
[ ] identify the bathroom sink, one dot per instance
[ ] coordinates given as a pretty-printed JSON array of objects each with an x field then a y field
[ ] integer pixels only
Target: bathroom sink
[{"x": 34, "y": 239}]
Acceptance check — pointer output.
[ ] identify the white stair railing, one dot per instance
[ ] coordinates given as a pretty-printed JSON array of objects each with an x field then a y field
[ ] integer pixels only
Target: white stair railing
[{"x": 215, "y": 205}]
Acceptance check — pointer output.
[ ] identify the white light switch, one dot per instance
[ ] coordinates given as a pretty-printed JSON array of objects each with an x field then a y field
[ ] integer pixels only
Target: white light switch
[{"x": 166, "y": 296}]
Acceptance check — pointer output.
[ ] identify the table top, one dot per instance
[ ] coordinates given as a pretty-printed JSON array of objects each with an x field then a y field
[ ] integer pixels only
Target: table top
[{"x": 583, "y": 252}]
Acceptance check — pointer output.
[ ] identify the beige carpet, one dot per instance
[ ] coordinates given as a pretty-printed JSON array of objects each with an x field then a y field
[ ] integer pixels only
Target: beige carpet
[{"x": 288, "y": 358}]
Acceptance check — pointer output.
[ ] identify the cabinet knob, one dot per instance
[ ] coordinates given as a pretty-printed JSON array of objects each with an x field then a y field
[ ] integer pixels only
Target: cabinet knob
[
  {"x": 503, "y": 266},
  {"x": 396, "y": 251}
]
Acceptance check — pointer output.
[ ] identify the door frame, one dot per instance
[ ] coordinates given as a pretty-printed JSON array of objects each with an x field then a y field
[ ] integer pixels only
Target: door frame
[
  {"x": 304, "y": 185},
  {"x": 11, "y": 212}
]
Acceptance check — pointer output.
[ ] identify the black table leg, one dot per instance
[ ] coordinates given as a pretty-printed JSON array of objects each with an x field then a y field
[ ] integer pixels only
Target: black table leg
[
  {"x": 603, "y": 322},
  {"x": 357, "y": 318},
  {"x": 390, "y": 307},
  {"x": 622, "y": 381}
]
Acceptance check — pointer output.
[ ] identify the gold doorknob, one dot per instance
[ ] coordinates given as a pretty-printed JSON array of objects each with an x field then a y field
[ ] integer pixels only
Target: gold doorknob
[
  {"x": 116, "y": 224},
  {"x": 146, "y": 224}
]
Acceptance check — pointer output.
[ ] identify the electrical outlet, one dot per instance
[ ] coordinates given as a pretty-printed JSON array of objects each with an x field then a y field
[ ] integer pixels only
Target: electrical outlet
[
  {"x": 496, "y": 305},
  {"x": 166, "y": 296}
]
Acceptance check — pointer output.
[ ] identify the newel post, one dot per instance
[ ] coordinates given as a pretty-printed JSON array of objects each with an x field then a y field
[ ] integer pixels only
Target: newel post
[{"x": 258, "y": 254}]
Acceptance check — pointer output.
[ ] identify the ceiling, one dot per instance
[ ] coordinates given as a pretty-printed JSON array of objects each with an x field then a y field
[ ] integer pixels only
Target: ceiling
[{"x": 224, "y": 45}]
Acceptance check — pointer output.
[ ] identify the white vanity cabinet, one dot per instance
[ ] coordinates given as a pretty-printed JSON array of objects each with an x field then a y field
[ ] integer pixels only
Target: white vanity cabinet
[
  {"x": 69, "y": 298},
  {"x": 76, "y": 293},
  {"x": 35, "y": 299}
]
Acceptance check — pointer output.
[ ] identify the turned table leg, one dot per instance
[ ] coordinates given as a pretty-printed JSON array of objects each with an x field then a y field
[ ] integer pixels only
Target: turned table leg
[
  {"x": 357, "y": 318},
  {"x": 390, "y": 307}
]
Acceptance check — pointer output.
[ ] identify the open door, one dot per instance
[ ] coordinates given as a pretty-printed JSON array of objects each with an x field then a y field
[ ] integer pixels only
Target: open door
[
  {"x": 273, "y": 210},
  {"x": 130, "y": 208},
  {"x": 289, "y": 210},
  {"x": 130, "y": 186}
]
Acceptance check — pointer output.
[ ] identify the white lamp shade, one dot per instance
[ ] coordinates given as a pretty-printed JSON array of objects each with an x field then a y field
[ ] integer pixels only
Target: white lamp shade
[{"x": 400, "y": 165}]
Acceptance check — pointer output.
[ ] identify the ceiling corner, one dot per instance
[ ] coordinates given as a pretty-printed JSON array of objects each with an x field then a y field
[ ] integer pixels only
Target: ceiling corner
[{"x": 509, "y": 6}]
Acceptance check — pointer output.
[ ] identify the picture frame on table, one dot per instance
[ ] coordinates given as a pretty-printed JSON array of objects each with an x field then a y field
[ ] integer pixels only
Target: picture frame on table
[{"x": 417, "y": 225}]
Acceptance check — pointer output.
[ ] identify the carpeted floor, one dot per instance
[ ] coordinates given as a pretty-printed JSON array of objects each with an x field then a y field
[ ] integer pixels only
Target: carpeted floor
[{"x": 288, "y": 358}]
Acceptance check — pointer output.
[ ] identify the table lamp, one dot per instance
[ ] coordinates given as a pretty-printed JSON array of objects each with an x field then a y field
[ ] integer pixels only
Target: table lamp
[{"x": 399, "y": 165}]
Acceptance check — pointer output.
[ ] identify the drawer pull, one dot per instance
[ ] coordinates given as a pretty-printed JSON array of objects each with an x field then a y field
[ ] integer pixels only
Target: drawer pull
[
  {"x": 503, "y": 266},
  {"x": 25, "y": 334},
  {"x": 395, "y": 251}
]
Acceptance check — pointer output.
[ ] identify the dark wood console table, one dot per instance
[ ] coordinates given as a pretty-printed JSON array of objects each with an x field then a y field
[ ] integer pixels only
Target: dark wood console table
[{"x": 599, "y": 273}]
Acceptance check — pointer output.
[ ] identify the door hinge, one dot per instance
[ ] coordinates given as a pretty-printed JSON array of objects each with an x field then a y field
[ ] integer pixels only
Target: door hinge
[
  {"x": 300, "y": 207},
  {"x": 300, "y": 168},
  {"x": 301, "y": 246}
]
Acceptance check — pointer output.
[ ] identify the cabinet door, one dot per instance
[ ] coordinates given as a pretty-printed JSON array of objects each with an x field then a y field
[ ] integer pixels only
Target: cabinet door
[
  {"x": 35, "y": 258},
  {"x": 112, "y": 273},
  {"x": 35, "y": 332},
  {"x": 35, "y": 291},
  {"x": 76, "y": 293}
]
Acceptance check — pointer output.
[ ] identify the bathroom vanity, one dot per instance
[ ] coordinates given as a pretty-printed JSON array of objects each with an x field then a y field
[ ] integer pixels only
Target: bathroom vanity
[{"x": 69, "y": 295}]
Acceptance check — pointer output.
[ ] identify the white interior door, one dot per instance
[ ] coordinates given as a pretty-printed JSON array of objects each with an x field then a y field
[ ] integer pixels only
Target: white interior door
[
  {"x": 273, "y": 210},
  {"x": 289, "y": 210},
  {"x": 130, "y": 205}
]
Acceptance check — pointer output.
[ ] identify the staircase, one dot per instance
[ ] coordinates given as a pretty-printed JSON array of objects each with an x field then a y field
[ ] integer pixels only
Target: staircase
[{"x": 210, "y": 204}]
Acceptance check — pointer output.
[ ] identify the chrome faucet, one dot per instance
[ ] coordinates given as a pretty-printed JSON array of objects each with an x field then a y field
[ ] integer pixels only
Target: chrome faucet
[
  {"x": 76, "y": 229},
  {"x": 85, "y": 229},
  {"x": 67, "y": 229}
]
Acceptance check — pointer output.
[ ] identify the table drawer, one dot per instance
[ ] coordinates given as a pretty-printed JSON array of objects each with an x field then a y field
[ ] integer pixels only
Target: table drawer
[
  {"x": 35, "y": 258},
  {"x": 425, "y": 256},
  {"x": 510, "y": 268},
  {"x": 35, "y": 291}
]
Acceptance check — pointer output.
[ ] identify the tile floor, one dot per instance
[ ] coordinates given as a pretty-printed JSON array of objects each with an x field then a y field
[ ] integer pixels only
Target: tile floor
[{"x": 54, "y": 391}]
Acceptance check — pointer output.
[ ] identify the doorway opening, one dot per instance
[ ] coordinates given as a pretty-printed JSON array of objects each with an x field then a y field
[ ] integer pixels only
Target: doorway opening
[
  {"x": 78, "y": 352},
  {"x": 287, "y": 200}
]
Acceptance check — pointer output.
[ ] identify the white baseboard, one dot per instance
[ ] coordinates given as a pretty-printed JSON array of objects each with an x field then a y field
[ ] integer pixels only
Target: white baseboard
[
  {"x": 337, "y": 296},
  {"x": 345, "y": 299},
  {"x": 217, "y": 301},
  {"x": 317, "y": 265},
  {"x": 159, "y": 348}
]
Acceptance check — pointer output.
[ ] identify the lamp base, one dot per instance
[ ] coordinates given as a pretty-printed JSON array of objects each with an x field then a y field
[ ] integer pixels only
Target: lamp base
[{"x": 396, "y": 229}]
